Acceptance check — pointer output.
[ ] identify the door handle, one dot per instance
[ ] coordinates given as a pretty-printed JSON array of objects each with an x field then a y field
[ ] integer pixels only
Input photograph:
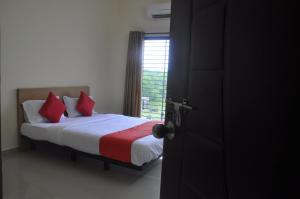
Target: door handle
[
  {"x": 178, "y": 105},
  {"x": 178, "y": 109},
  {"x": 164, "y": 131}
]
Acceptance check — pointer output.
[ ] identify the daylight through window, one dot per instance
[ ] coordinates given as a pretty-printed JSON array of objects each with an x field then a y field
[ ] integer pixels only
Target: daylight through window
[{"x": 154, "y": 79}]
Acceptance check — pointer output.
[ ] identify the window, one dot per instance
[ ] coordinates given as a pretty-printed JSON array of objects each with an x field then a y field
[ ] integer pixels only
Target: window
[{"x": 154, "y": 79}]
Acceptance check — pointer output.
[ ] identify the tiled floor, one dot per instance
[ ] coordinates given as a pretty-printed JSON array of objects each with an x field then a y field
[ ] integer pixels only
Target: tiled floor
[{"x": 51, "y": 175}]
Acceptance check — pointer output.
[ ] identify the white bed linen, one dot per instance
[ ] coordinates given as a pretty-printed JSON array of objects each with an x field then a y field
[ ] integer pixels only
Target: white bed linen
[{"x": 83, "y": 134}]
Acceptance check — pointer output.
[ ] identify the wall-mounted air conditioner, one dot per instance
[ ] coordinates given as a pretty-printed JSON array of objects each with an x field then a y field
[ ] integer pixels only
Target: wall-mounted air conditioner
[{"x": 160, "y": 10}]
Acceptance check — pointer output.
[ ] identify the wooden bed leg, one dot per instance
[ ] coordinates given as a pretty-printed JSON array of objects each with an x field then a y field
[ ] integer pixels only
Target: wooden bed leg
[
  {"x": 32, "y": 146},
  {"x": 73, "y": 156},
  {"x": 106, "y": 166}
]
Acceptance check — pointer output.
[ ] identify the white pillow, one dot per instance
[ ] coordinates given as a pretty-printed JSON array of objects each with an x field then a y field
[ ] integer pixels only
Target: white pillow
[
  {"x": 71, "y": 103},
  {"x": 31, "y": 111}
]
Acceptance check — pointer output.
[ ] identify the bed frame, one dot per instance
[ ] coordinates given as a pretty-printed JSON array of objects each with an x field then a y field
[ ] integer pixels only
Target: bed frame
[{"x": 26, "y": 143}]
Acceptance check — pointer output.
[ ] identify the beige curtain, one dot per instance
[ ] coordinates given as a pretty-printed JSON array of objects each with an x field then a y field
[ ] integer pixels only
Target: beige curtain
[{"x": 133, "y": 83}]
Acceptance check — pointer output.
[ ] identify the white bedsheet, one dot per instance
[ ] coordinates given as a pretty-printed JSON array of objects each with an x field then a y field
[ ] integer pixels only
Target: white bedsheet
[{"x": 83, "y": 134}]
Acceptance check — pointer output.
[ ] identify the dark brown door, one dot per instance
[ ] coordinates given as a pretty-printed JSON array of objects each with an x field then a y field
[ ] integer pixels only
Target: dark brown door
[
  {"x": 227, "y": 97},
  {"x": 256, "y": 98},
  {"x": 0, "y": 126},
  {"x": 193, "y": 165}
]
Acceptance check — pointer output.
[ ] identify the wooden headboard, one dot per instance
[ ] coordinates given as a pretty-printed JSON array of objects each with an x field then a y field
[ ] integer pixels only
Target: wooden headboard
[{"x": 24, "y": 94}]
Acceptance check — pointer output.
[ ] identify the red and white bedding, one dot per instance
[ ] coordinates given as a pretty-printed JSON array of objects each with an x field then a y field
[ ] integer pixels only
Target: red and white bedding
[{"x": 87, "y": 134}]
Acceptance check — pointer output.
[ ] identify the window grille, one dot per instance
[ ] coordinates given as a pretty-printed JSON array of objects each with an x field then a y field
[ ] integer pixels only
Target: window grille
[{"x": 154, "y": 79}]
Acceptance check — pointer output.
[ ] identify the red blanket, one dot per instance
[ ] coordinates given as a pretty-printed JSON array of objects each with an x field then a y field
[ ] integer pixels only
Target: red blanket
[{"x": 117, "y": 145}]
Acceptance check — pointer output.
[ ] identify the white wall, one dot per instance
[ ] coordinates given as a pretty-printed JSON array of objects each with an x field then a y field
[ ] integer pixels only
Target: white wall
[
  {"x": 54, "y": 43},
  {"x": 48, "y": 43}
]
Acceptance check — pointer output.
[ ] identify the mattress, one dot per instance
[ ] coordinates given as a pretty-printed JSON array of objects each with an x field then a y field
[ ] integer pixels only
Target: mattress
[{"x": 83, "y": 134}]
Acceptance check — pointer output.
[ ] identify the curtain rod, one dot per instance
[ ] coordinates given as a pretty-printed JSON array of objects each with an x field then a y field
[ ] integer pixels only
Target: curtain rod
[{"x": 161, "y": 35}]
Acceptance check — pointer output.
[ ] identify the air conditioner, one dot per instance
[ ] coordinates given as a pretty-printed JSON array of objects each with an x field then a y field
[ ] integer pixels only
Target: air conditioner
[{"x": 160, "y": 10}]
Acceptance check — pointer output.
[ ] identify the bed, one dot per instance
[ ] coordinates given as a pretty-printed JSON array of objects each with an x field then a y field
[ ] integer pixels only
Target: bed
[{"x": 85, "y": 135}]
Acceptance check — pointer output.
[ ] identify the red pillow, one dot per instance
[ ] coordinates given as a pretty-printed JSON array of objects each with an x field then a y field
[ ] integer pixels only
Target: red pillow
[
  {"x": 85, "y": 104},
  {"x": 52, "y": 109}
]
